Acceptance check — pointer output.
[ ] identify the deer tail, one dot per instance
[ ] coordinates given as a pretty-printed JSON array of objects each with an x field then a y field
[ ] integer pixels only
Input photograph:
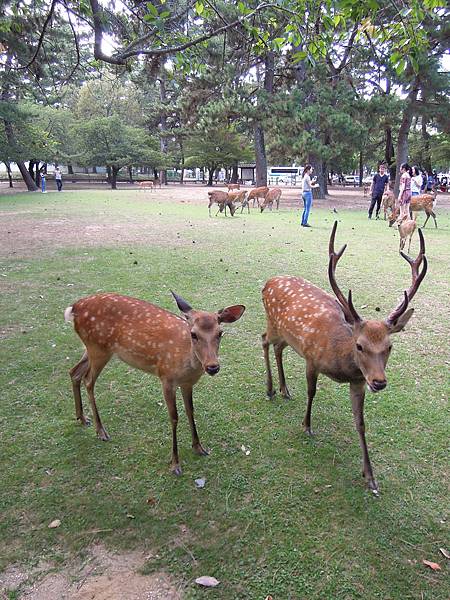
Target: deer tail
[{"x": 68, "y": 314}]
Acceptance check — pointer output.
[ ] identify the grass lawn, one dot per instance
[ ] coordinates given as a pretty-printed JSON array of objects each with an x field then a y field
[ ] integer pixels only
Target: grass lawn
[{"x": 292, "y": 519}]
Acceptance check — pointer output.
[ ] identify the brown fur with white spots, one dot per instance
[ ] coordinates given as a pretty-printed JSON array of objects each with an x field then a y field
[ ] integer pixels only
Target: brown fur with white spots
[
  {"x": 425, "y": 202},
  {"x": 332, "y": 338},
  {"x": 177, "y": 350},
  {"x": 388, "y": 202}
]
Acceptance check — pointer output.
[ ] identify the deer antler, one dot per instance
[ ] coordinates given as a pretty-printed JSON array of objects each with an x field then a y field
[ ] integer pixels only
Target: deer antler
[
  {"x": 351, "y": 316},
  {"x": 417, "y": 277}
]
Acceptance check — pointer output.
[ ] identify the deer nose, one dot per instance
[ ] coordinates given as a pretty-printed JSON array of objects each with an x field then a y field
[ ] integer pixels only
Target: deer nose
[
  {"x": 212, "y": 369},
  {"x": 378, "y": 385}
]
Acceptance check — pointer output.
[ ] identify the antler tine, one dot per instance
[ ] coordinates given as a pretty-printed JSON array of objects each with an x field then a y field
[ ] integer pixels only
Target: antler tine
[
  {"x": 347, "y": 305},
  {"x": 417, "y": 278}
]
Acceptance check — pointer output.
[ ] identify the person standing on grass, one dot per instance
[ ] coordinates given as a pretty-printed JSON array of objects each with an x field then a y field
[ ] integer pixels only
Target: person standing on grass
[
  {"x": 378, "y": 186},
  {"x": 43, "y": 185},
  {"x": 404, "y": 194},
  {"x": 58, "y": 178},
  {"x": 307, "y": 193}
]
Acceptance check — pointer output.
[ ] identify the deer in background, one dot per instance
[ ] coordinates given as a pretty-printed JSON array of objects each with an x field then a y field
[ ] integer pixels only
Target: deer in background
[
  {"x": 425, "y": 202},
  {"x": 333, "y": 339},
  {"x": 146, "y": 185},
  {"x": 233, "y": 186},
  {"x": 388, "y": 202},
  {"x": 406, "y": 229},
  {"x": 177, "y": 350},
  {"x": 272, "y": 196}
]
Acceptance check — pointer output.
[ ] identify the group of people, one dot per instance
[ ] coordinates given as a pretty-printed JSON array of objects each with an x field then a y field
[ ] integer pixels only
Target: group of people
[
  {"x": 58, "y": 178},
  {"x": 412, "y": 183}
]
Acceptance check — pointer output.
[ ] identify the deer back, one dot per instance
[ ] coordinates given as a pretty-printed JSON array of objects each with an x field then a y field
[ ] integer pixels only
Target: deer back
[{"x": 258, "y": 192}]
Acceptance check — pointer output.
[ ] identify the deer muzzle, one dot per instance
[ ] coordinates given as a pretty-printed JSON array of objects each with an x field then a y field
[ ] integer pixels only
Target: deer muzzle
[
  {"x": 212, "y": 369},
  {"x": 377, "y": 385}
]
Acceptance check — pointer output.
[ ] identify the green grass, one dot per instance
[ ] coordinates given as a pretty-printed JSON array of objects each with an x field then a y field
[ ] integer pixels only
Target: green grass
[{"x": 293, "y": 519}]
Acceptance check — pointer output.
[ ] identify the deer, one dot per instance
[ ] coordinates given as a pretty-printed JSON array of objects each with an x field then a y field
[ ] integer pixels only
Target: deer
[
  {"x": 177, "y": 350},
  {"x": 272, "y": 196},
  {"x": 406, "y": 229},
  {"x": 147, "y": 184},
  {"x": 223, "y": 200},
  {"x": 256, "y": 193},
  {"x": 333, "y": 339},
  {"x": 233, "y": 186},
  {"x": 388, "y": 201},
  {"x": 425, "y": 202}
]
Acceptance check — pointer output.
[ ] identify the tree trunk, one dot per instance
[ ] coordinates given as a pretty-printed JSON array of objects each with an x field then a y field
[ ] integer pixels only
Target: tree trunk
[
  {"x": 361, "y": 168},
  {"x": 114, "y": 171},
  {"x": 211, "y": 175},
  {"x": 235, "y": 173},
  {"x": 403, "y": 133},
  {"x": 260, "y": 156},
  {"x": 108, "y": 174},
  {"x": 70, "y": 169},
  {"x": 163, "y": 125},
  {"x": 320, "y": 172},
  {"x": 389, "y": 152},
  {"x": 37, "y": 177},
  {"x": 260, "y": 146},
  {"x": 94, "y": 169},
  {"x": 8, "y": 169},
  {"x": 130, "y": 174},
  {"x": 426, "y": 146}
]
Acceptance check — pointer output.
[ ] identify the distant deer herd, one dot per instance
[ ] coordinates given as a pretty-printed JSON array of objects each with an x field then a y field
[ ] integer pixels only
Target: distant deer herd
[{"x": 325, "y": 330}]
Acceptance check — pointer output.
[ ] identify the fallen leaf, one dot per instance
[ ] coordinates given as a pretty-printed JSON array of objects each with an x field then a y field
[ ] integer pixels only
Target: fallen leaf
[
  {"x": 207, "y": 581},
  {"x": 444, "y": 552},
  {"x": 200, "y": 483},
  {"x": 54, "y": 524},
  {"x": 432, "y": 565},
  {"x": 151, "y": 501},
  {"x": 363, "y": 306}
]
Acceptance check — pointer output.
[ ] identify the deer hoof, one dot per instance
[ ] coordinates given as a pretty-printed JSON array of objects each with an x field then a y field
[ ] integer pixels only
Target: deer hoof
[
  {"x": 309, "y": 432},
  {"x": 102, "y": 434},
  {"x": 84, "y": 421},
  {"x": 286, "y": 395},
  {"x": 271, "y": 394},
  {"x": 198, "y": 449},
  {"x": 176, "y": 470}
]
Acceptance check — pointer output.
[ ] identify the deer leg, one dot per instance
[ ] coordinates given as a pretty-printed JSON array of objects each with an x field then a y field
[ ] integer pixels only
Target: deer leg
[
  {"x": 434, "y": 217},
  {"x": 278, "y": 349},
  {"x": 426, "y": 220},
  {"x": 311, "y": 380},
  {"x": 357, "y": 393},
  {"x": 97, "y": 362},
  {"x": 269, "y": 382},
  {"x": 169, "y": 392},
  {"x": 186, "y": 392},
  {"x": 76, "y": 374}
]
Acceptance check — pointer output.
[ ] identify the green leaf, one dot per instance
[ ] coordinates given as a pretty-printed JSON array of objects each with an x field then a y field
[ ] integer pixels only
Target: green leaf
[
  {"x": 152, "y": 9},
  {"x": 199, "y": 7}
]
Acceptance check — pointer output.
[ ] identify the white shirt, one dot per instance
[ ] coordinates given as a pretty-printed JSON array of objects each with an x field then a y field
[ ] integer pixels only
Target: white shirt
[
  {"x": 416, "y": 183},
  {"x": 306, "y": 183}
]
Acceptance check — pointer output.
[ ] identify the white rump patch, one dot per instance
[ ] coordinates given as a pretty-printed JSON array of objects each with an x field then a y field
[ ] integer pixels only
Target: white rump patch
[{"x": 68, "y": 314}]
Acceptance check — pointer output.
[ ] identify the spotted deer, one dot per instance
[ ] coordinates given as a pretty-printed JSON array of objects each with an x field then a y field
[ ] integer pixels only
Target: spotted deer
[
  {"x": 406, "y": 229},
  {"x": 177, "y": 350},
  {"x": 425, "y": 202},
  {"x": 333, "y": 339}
]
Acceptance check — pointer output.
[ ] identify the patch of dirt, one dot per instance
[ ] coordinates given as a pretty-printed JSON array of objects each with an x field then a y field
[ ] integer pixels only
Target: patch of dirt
[{"x": 103, "y": 576}]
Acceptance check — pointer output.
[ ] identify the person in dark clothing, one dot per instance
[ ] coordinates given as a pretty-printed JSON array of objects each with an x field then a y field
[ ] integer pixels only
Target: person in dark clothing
[{"x": 379, "y": 184}]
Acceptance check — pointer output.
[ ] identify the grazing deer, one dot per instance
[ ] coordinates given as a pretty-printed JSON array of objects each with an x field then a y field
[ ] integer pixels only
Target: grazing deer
[
  {"x": 406, "y": 229},
  {"x": 222, "y": 199},
  {"x": 256, "y": 193},
  {"x": 425, "y": 202},
  {"x": 272, "y": 196},
  {"x": 152, "y": 339},
  {"x": 233, "y": 186},
  {"x": 147, "y": 184},
  {"x": 332, "y": 337}
]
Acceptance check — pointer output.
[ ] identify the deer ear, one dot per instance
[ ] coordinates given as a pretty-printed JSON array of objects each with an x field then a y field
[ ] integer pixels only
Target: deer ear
[
  {"x": 400, "y": 323},
  {"x": 231, "y": 313},
  {"x": 181, "y": 303}
]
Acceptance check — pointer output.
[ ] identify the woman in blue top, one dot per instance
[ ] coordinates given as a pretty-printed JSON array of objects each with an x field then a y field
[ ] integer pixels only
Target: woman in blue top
[{"x": 307, "y": 193}]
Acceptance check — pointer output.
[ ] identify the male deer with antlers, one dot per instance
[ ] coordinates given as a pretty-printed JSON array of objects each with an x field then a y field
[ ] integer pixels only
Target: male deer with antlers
[
  {"x": 332, "y": 337},
  {"x": 178, "y": 351}
]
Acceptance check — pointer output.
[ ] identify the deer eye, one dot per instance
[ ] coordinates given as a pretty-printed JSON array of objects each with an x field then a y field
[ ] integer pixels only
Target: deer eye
[
  {"x": 390, "y": 348},
  {"x": 359, "y": 348},
  {"x": 194, "y": 336}
]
